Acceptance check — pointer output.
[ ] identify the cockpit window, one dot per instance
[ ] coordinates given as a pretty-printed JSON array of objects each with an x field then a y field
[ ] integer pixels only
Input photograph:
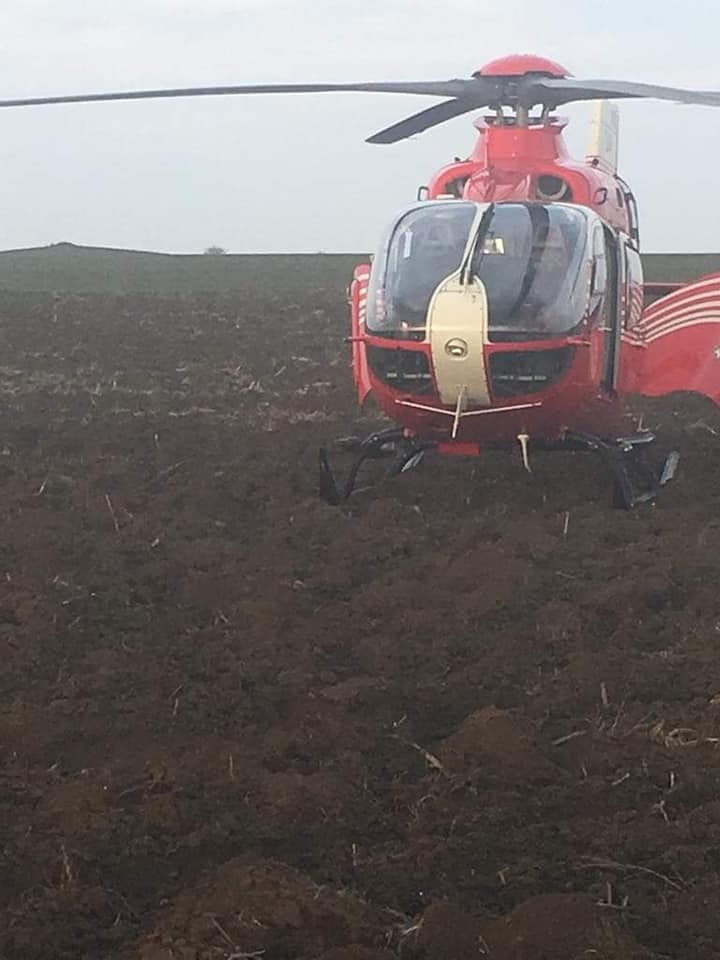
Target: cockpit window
[
  {"x": 532, "y": 262},
  {"x": 532, "y": 259},
  {"x": 426, "y": 247}
]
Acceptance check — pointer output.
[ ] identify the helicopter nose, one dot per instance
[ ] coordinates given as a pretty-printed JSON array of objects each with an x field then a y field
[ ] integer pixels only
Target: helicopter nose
[
  {"x": 456, "y": 347},
  {"x": 457, "y": 330}
]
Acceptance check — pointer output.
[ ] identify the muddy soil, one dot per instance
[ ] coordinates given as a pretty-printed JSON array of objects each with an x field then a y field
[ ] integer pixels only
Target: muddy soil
[{"x": 474, "y": 713}]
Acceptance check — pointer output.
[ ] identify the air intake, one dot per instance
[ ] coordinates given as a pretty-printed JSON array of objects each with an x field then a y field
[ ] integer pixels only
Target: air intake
[
  {"x": 519, "y": 372},
  {"x": 551, "y": 188}
]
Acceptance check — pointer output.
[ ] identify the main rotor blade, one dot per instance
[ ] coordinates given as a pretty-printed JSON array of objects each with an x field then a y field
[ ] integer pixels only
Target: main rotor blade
[
  {"x": 424, "y": 120},
  {"x": 567, "y": 91},
  {"x": 437, "y": 88},
  {"x": 461, "y": 95}
]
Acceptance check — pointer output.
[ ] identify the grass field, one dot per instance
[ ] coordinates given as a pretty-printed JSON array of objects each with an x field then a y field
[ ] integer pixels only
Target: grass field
[{"x": 67, "y": 268}]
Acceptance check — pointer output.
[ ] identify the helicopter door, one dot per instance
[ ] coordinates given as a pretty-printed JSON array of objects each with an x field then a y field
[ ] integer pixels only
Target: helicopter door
[
  {"x": 613, "y": 312},
  {"x": 457, "y": 331}
]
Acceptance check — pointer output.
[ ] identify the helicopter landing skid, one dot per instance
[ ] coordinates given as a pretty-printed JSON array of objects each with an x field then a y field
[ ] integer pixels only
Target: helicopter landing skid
[
  {"x": 636, "y": 479},
  {"x": 391, "y": 443}
]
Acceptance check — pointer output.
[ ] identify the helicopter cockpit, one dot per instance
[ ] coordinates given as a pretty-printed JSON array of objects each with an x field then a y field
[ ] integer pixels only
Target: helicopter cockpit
[{"x": 533, "y": 260}]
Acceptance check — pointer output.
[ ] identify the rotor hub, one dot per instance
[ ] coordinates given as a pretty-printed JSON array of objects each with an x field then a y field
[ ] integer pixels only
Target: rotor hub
[{"x": 522, "y": 64}]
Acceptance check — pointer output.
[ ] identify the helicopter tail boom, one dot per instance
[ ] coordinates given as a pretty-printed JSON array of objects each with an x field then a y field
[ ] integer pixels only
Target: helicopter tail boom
[{"x": 679, "y": 340}]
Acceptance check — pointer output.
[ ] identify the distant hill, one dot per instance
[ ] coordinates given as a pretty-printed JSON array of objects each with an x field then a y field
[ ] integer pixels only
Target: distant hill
[
  {"x": 679, "y": 267},
  {"x": 67, "y": 268}
]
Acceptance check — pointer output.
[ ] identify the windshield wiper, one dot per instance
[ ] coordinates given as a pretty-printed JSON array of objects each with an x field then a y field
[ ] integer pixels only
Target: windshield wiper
[{"x": 469, "y": 266}]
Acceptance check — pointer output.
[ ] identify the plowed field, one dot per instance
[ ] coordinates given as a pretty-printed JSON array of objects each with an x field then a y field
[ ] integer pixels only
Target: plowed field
[{"x": 474, "y": 713}]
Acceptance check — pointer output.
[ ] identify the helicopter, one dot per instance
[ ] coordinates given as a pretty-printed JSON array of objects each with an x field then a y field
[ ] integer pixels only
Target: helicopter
[{"x": 506, "y": 304}]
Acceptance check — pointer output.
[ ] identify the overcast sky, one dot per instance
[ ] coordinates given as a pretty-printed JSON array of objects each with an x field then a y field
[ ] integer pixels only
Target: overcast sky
[{"x": 293, "y": 173}]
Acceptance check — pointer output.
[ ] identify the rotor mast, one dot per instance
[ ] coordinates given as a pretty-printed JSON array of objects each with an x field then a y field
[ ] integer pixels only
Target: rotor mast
[{"x": 519, "y": 67}]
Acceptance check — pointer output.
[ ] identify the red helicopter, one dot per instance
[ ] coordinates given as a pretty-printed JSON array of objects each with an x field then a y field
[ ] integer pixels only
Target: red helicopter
[{"x": 507, "y": 304}]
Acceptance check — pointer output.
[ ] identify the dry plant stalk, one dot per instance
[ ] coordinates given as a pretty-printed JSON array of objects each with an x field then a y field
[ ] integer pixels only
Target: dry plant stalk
[
  {"x": 67, "y": 874},
  {"x": 682, "y": 737},
  {"x": 108, "y": 501},
  {"x": 236, "y": 954},
  {"x": 568, "y": 737},
  {"x": 629, "y": 868},
  {"x": 430, "y": 758}
]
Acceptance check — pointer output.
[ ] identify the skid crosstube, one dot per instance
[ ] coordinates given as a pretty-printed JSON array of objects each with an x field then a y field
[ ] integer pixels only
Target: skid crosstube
[
  {"x": 636, "y": 479},
  {"x": 385, "y": 443}
]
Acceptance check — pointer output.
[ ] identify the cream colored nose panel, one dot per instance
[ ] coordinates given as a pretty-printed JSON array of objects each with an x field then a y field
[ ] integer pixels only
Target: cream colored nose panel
[{"x": 457, "y": 330}]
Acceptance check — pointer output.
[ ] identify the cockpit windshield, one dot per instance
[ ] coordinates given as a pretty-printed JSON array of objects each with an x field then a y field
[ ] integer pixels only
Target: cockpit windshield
[
  {"x": 530, "y": 262},
  {"x": 425, "y": 247},
  {"x": 532, "y": 259}
]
